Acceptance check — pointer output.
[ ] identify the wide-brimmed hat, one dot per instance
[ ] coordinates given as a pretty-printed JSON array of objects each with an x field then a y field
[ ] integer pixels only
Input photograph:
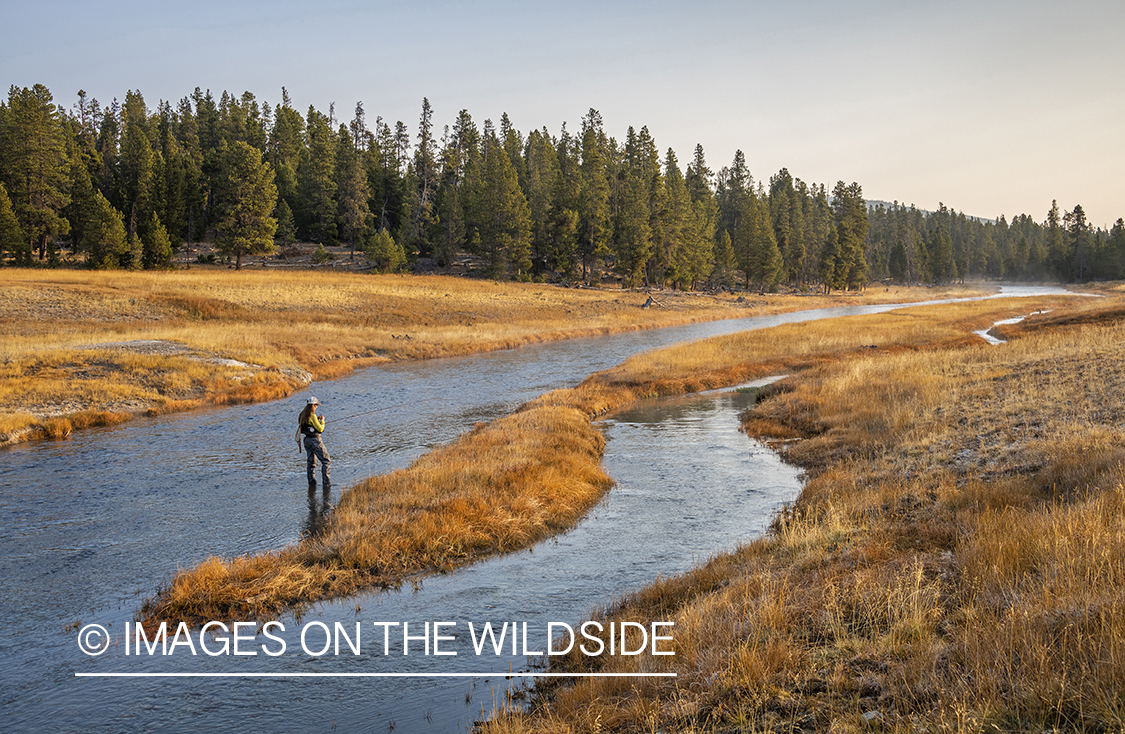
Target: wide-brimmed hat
[{"x": 313, "y": 401}]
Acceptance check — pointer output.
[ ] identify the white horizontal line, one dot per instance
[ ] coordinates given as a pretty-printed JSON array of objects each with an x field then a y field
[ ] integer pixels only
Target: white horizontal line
[{"x": 375, "y": 675}]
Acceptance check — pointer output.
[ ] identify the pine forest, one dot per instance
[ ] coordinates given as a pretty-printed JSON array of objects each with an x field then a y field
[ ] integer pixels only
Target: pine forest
[{"x": 122, "y": 186}]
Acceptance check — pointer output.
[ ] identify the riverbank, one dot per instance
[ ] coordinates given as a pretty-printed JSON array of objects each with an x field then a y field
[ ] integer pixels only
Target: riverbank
[
  {"x": 85, "y": 348},
  {"x": 520, "y": 479},
  {"x": 954, "y": 562}
]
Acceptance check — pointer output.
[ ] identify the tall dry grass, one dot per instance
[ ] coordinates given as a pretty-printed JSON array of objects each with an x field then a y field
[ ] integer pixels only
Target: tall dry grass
[{"x": 954, "y": 562}]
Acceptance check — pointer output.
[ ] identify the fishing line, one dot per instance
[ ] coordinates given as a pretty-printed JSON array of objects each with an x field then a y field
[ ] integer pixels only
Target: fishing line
[{"x": 379, "y": 410}]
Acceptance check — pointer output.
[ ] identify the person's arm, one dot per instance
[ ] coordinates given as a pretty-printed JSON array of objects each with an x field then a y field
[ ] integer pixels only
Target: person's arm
[{"x": 317, "y": 422}]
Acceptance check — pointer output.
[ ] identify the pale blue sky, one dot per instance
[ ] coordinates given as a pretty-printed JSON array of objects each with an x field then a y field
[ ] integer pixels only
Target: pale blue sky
[{"x": 991, "y": 106}]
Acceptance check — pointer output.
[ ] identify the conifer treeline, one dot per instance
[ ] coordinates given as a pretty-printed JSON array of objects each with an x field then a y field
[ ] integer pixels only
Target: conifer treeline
[{"x": 125, "y": 185}]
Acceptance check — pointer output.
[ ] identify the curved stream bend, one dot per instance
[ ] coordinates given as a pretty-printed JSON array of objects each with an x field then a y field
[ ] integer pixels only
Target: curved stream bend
[{"x": 95, "y": 522}]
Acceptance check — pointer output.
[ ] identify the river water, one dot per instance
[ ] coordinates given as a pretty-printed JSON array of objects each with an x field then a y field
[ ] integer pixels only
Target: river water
[{"x": 95, "y": 523}]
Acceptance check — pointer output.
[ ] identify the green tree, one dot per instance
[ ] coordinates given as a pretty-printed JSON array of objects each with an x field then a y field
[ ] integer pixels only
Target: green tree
[
  {"x": 104, "y": 238},
  {"x": 828, "y": 267},
  {"x": 1116, "y": 247},
  {"x": 458, "y": 154},
  {"x": 940, "y": 249},
  {"x": 387, "y": 254},
  {"x": 285, "y": 147},
  {"x": 851, "y": 230},
  {"x": 766, "y": 266},
  {"x": 12, "y": 240},
  {"x": 34, "y": 167},
  {"x": 136, "y": 165},
  {"x": 786, "y": 215},
  {"x": 351, "y": 175},
  {"x": 1078, "y": 230},
  {"x": 286, "y": 231},
  {"x": 543, "y": 181},
  {"x": 723, "y": 272},
  {"x": 594, "y": 227},
  {"x": 156, "y": 249},
  {"x": 632, "y": 231},
  {"x": 422, "y": 187},
  {"x": 247, "y": 199},
  {"x": 501, "y": 218},
  {"x": 316, "y": 181}
]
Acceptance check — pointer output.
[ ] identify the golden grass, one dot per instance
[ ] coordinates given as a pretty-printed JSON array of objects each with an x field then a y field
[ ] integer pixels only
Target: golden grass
[
  {"x": 954, "y": 563},
  {"x": 512, "y": 482},
  {"x": 290, "y": 326},
  {"x": 499, "y": 488}
]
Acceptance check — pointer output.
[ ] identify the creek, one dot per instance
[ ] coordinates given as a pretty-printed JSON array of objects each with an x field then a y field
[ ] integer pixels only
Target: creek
[{"x": 93, "y": 524}]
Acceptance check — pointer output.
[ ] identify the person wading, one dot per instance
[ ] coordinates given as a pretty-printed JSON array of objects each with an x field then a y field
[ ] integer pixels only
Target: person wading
[{"x": 310, "y": 426}]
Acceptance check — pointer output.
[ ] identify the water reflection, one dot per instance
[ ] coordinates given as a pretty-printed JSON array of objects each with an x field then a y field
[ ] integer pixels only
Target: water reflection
[{"x": 320, "y": 507}]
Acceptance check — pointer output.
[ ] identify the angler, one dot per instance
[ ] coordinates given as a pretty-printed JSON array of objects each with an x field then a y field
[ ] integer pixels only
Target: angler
[{"x": 310, "y": 426}]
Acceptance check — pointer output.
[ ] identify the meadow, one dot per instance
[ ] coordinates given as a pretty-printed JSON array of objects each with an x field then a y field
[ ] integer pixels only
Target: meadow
[
  {"x": 953, "y": 563},
  {"x": 517, "y": 480},
  {"x": 81, "y": 348}
]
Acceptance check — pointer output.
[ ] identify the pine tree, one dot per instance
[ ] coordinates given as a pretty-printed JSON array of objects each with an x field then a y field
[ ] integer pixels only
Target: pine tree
[
  {"x": 12, "y": 239},
  {"x": 316, "y": 181},
  {"x": 355, "y": 213},
  {"x": 172, "y": 203},
  {"x": 765, "y": 263},
  {"x": 286, "y": 231},
  {"x": 632, "y": 230},
  {"x": 723, "y": 272},
  {"x": 828, "y": 264},
  {"x": 191, "y": 161},
  {"x": 676, "y": 235},
  {"x": 502, "y": 220},
  {"x": 247, "y": 198},
  {"x": 84, "y": 210},
  {"x": 35, "y": 169},
  {"x": 851, "y": 231},
  {"x": 156, "y": 245},
  {"x": 382, "y": 250},
  {"x": 136, "y": 174},
  {"x": 593, "y": 196},
  {"x": 284, "y": 148},
  {"x": 105, "y": 240},
  {"x": 459, "y": 152},
  {"x": 1078, "y": 230},
  {"x": 940, "y": 249},
  {"x": 543, "y": 172},
  {"x": 1056, "y": 242},
  {"x": 785, "y": 214},
  {"x": 423, "y": 186}
]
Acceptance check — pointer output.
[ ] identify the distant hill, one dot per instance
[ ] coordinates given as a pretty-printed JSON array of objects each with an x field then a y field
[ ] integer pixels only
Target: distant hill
[{"x": 872, "y": 203}]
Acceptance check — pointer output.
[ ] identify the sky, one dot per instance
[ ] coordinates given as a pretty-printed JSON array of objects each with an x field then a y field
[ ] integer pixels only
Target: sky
[{"x": 988, "y": 106}]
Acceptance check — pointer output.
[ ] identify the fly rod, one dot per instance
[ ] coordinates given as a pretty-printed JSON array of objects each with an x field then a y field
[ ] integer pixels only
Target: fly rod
[{"x": 379, "y": 410}]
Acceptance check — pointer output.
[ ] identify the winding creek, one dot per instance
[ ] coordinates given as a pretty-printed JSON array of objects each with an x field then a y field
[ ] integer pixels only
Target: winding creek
[{"x": 95, "y": 523}]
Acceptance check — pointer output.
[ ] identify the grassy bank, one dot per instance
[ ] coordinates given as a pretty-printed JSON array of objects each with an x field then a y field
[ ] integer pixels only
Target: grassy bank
[
  {"x": 81, "y": 348},
  {"x": 520, "y": 479},
  {"x": 954, "y": 562}
]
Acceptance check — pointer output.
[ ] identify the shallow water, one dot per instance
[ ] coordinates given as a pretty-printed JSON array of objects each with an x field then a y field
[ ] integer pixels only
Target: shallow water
[{"x": 95, "y": 523}]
